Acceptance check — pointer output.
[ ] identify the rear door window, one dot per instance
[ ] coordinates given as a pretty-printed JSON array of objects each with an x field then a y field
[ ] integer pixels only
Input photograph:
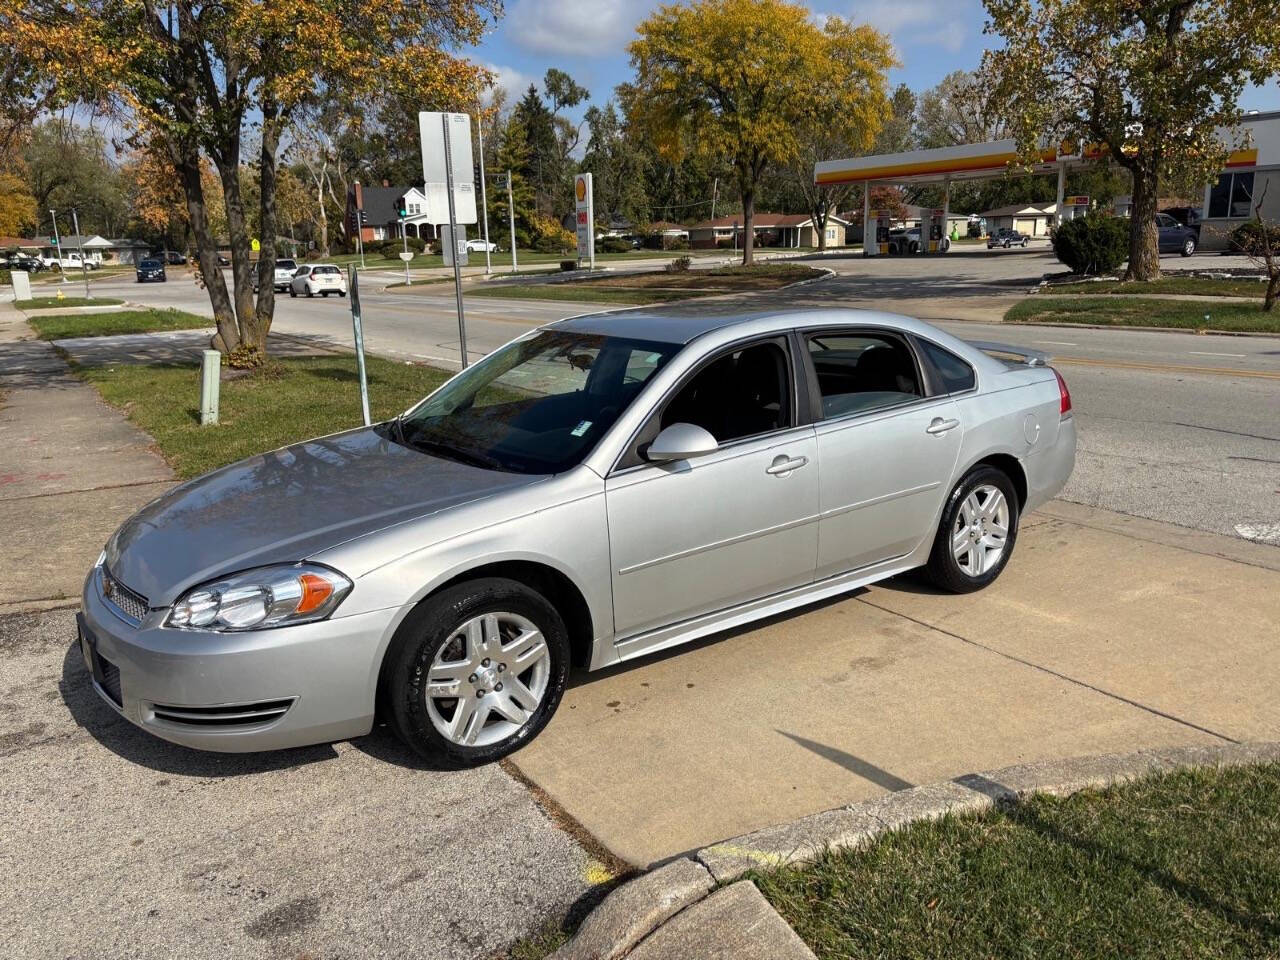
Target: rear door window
[{"x": 857, "y": 372}]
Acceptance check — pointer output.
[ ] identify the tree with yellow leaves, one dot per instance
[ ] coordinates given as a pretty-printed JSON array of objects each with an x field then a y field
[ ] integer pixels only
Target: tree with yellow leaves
[
  {"x": 199, "y": 78},
  {"x": 1152, "y": 82},
  {"x": 742, "y": 80}
]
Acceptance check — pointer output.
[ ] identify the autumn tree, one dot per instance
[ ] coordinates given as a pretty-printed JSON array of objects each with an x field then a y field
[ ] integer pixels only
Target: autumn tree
[
  {"x": 220, "y": 79},
  {"x": 744, "y": 79},
  {"x": 958, "y": 110},
  {"x": 1154, "y": 83}
]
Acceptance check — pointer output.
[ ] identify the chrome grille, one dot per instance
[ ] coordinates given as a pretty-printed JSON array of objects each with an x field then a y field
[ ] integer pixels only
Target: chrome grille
[
  {"x": 228, "y": 715},
  {"x": 131, "y": 607}
]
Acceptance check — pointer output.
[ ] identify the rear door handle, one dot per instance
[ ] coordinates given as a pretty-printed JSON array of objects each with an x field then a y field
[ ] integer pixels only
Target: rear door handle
[
  {"x": 940, "y": 426},
  {"x": 784, "y": 464}
]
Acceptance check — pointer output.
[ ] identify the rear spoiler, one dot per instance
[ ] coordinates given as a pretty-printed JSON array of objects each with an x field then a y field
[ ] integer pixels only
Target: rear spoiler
[{"x": 1032, "y": 358}]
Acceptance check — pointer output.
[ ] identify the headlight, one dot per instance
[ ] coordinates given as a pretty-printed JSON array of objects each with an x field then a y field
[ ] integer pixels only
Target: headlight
[{"x": 262, "y": 598}]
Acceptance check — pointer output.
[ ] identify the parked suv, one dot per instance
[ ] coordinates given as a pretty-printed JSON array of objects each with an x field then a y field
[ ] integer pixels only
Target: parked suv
[
  {"x": 1187, "y": 216},
  {"x": 29, "y": 264},
  {"x": 1005, "y": 237},
  {"x": 1176, "y": 237}
]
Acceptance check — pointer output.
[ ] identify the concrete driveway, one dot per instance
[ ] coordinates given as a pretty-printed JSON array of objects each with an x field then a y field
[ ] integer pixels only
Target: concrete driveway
[{"x": 1104, "y": 634}]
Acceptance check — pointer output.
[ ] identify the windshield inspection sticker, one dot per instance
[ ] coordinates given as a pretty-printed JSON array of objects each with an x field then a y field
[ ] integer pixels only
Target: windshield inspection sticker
[{"x": 581, "y": 428}]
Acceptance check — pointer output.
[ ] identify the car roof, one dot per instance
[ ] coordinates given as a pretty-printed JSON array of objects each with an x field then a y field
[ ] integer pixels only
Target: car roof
[{"x": 688, "y": 322}]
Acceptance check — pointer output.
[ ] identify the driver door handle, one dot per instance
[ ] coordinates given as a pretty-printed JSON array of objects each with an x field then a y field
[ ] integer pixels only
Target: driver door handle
[
  {"x": 940, "y": 426},
  {"x": 784, "y": 465}
]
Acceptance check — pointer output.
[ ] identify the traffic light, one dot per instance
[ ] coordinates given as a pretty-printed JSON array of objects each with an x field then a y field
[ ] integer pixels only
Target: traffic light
[
  {"x": 402, "y": 208},
  {"x": 364, "y": 217}
]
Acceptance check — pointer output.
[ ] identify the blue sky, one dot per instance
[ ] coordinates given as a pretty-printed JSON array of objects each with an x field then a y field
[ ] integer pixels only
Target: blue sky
[{"x": 587, "y": 38}]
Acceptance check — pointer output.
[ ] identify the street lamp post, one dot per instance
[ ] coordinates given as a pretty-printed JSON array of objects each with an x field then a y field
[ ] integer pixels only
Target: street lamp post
[
  {"x": 484, "y": 199},
  {"x": 84, "y": 265},
  {"x": 57, "y": 244},
  {"x": 404, "y": 236},
  {"x": 511, "y": 214}
]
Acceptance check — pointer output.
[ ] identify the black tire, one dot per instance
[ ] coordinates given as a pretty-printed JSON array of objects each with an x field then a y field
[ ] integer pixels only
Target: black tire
[
  {"x": 1188, "y": 246},
  {"x": 292, "y": 292},
  {"x": 310, "y": 293},
  {"x": 431, "y": 624},
  {"x": 943, "y": 569},
  {"x": 325, "y": 294},
  {"x": 1025, "y": 241},
  {"x": 342, "y": 293}
]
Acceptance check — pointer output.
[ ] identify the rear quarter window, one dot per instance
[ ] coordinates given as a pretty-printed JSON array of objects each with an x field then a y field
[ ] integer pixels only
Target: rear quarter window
[{"x": 954, "y": 372}]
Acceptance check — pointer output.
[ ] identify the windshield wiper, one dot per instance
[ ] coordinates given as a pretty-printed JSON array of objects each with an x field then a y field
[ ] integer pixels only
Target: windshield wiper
[{"x": 451, "y": 452}]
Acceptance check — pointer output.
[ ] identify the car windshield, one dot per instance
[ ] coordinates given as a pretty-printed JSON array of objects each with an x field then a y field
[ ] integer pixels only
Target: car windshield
[
  {"x": 149, "y": 264},
  {"x": 538, "y": 405}
]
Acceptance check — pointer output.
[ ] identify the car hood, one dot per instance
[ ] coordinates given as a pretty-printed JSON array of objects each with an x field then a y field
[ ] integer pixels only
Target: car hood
[{"x": 286, "y": 506}]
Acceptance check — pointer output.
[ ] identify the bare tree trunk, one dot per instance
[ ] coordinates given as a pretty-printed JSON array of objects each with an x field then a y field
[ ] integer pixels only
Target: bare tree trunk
[
  {"x": 1144, "y": 239},
  {"x": 256, "y": 331},
  {"x": 241, "y": 268},
  {"x": 748, "y": 225},
  {"x": 186, "y": 160}
]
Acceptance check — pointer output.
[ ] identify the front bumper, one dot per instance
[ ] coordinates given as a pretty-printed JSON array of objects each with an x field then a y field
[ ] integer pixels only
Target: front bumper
[{"x": 236, "y": 692}]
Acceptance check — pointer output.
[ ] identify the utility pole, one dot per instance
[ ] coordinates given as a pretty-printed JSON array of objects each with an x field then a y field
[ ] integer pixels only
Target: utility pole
[
  {"x": 84, "y": 266},
  {"x": 453, "y": 239},
  {"x": 484, "y": 201},
  {"x": 404, "y": 236},
  {"x": 58, "y": 244},
  {"x": 715, "y": 192},
  {"x": 511, "y": 214}
]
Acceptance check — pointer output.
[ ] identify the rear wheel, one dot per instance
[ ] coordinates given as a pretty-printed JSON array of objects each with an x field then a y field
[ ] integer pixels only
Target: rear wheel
[
  {"x": 292, "y": 292},
  {"x": 1025, "y": 241},
  {"x": 977, "y": 533},
  {"x": 1189, "y": 246},
  {"x": 477, "y": 671}
]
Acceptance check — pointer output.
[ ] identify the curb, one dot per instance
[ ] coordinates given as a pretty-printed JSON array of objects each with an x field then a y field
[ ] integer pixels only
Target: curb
[{"x": 678, "y": 897}]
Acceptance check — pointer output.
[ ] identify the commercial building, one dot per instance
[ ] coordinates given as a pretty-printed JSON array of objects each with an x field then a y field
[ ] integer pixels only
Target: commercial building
[
  {"x": 770, "y": 229},
  {"x": 1250, "y": 170}
]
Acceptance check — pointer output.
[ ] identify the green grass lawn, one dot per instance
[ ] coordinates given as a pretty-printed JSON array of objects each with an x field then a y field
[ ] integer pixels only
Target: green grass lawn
[
  {"x": 1197, "y": 286},
  {"x": 657, "y": 286},
  {"x": 45, "y": 303},
  {"x": 1114, "y": 310},
  {"x": 1185, "y": 865},
  {"x": 62, "y": 325},
  {"x": 293, "y": 399}
]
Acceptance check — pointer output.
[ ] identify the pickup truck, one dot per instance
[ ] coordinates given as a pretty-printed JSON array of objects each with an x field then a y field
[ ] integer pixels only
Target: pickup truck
[{"x": 70, "y": 261}]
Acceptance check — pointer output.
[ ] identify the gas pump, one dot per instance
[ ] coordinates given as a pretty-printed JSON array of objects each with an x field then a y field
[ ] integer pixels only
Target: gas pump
[
  {"x": 883, "y": 220},
  {"x": 936, "y": 224}
]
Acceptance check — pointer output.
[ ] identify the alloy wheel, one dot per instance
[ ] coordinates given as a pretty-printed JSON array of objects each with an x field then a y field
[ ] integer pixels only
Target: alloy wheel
[
  {"x": 487, "y": 679},
  {"x": 981, "y": 530}
]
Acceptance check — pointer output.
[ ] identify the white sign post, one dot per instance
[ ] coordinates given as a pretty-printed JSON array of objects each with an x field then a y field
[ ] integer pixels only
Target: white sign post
[
  {"x": 586, "y": 221},
  {"x": 446, "y": 147}
]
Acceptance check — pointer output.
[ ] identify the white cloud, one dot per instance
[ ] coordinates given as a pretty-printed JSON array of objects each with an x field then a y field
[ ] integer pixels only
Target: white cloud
[
  {"x": 584, "y": 28},
  {"x": 514, "y": 81},
  {"x": 918, "y": 23}
]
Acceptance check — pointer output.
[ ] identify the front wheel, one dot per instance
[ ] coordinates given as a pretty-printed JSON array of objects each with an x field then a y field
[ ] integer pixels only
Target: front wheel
[
  {"x": 293, "y": 292},
  {"x": 977, "y": 533},
  {"x": 342, "y": 293},
  {"x": 477, "y": 671},
  {"x": 1025, "y": 242},
  {"x": 310, "y": 292},
  {"x": 1189, "y": 246}
]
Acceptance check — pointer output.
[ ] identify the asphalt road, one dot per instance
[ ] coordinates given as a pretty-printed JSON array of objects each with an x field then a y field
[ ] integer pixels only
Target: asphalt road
[
  {"x": 1173, "y": 427},
  {"x": 116, "y": 844}
]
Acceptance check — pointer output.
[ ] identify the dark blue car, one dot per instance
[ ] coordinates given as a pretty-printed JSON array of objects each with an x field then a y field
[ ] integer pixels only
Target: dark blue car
[
  {"x": 1176, "y": 237},
  {"x": 149, "y": 270}
]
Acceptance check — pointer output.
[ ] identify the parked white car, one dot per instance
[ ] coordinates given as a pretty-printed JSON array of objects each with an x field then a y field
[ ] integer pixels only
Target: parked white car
[
  {"x": 481, "y": 246},
  {"x": 321, "y": 278},
  {"x": 70, "y": 261}
]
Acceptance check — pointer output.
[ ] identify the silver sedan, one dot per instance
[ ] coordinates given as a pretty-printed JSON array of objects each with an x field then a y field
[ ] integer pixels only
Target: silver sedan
[{"x": 598, "y": 489}]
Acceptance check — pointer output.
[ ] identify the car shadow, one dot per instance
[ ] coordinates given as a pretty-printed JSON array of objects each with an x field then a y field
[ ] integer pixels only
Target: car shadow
[
  {"x": 913, "y": 582},
  {"x": 582, "y": 678},
  {"x": 137, "y": 746}
]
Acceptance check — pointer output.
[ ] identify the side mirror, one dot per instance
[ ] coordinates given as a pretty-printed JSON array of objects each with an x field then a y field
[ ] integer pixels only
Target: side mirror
[{"x": 680, "y": 441}]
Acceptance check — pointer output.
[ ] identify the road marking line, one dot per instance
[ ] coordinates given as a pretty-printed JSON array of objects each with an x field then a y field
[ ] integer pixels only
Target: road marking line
[
  {"x": 1057, "y": 343},
  {"x": 1170, "y": 368},
  {"x": 1200, "y": 353}
]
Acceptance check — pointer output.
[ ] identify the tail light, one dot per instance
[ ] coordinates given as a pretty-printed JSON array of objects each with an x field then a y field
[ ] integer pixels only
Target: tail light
[{"x": 1064, "y": 395}]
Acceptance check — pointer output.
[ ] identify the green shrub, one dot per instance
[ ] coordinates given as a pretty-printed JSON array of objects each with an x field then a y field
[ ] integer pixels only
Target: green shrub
[
  {"x": 567, "y": 265},
  {"x": 614, "y": 245},
  {"x": 679, "y": 265},
  {"x": 1250, "y": 238},
  {"x": 677, "y": 243},
  {"x": 1094, "y": 243},
  {"x": 726, "y": 243},
  {"x": 6, "y": 277}
]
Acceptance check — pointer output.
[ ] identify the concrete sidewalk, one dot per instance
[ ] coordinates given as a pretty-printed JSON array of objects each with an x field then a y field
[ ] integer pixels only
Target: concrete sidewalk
[
  {"x": 1105, "y": 634},
  {"x": 73, "y": 469}
]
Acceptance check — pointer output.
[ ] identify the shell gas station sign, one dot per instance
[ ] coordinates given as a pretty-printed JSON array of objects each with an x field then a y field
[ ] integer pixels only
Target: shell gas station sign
[{"x": 584, "y": 218}]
